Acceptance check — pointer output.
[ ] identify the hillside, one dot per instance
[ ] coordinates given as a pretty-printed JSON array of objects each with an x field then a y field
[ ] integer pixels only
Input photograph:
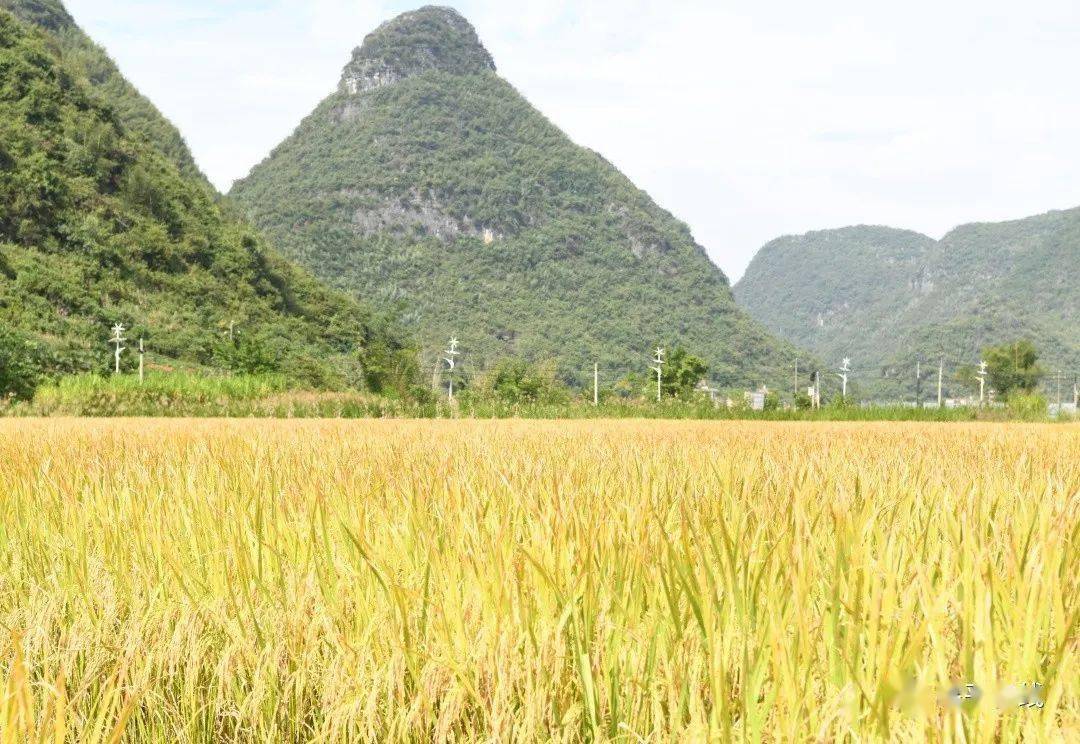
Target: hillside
[
  {"x": 98, "y": 225},
  {"x": 814, "y": 289},
  {"x": 427, "y": 182},
  {"x": 885, "y": 297},
  {"x": 89, "y": 61}
]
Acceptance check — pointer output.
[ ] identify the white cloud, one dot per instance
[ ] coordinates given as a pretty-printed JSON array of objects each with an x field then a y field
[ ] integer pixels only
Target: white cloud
[{"x": 746, "y": 120}]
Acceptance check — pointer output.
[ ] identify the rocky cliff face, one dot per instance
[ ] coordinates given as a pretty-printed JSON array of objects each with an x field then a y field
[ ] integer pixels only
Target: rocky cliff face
[{"x": 431, "y": 38}]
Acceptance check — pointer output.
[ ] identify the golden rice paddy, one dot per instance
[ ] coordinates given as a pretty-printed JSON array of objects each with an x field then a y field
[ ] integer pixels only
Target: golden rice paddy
[{"x": 289, "y": 581}]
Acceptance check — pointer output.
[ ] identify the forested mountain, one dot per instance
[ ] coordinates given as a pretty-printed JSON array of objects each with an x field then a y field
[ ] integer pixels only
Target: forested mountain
[
  {"x": 886, "y": 297},
  {"x": 104, "y": 219},
  {"x": 89, "y": 61},
  {"x": 426, "y": 181}
]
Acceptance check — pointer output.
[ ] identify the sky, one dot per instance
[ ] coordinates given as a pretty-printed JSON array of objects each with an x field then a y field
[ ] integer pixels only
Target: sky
[{"x": 747, "y": 120}]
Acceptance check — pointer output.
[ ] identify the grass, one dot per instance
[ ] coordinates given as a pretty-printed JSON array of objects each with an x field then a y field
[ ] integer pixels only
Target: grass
[
  {"x": 185, "y": 395},
  {"x": 189, "y": 394},
  {"x": 334, "y": 581},
  {"x": 90, "y": 394},
  {"x": 705, "y": 411}
]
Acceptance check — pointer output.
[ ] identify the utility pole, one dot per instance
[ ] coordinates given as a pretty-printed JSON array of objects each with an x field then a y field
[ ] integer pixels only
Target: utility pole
[
  {"x": 817, "y": 388},
  {"x": 658, "y": 360},
  {"x": 845, "y": 368},
  {"x": 118, "y": 339},
  {"x": 940, "y": 377},
  {"x": 142, "y": 353},
  {"x": 596, "y": 385},
  {"x": 232, "y": 325},
  {"x": 1058, "y": 378},
  {"x": 451, "y": 353},
  {"x": 795, "y": 400},
  {"x": 918, "y": 383},
  {"x": 982, "y": 383}
]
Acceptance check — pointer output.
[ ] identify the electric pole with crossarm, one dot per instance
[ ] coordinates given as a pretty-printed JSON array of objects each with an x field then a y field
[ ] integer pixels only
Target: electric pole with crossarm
[
  {"x": 118, "y": 339},
  {"x": 658, "y": 360},
  {"x": 450, "y": 357},
  {"x": 845, "y": 369}
]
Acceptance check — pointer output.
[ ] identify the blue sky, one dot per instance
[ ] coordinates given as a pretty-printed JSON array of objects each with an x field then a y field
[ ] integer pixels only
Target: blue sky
[{"x": 747, "y": 120}]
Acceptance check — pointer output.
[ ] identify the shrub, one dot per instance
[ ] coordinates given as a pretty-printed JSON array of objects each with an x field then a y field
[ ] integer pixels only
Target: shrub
[
  {"x": 21, "y": 363},
  {"x": 515, "y": 381},
  {"x": 1027, "y": 406}
]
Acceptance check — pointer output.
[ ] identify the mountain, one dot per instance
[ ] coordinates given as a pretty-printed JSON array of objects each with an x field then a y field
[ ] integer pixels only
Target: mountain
[
  {"x": 816, "y": 289},
  {"x": 887, "y": 297},
  {"x": 426, "y": 181},
  {"x": 90, "y": 62},
  {"x": 99, "y": 224}
]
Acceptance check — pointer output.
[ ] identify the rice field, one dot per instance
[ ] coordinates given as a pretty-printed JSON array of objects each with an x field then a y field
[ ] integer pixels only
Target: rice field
[{"x": 498, "y": 581}]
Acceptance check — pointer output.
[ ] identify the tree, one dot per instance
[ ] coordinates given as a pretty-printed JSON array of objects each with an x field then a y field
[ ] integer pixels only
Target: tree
[
  {"x": 1013, "y": 368},
  {"x": 682, "y": 372},
  {"x": 967, "y": 377},
  {"x": 20, "y": 365},
  {"x": 245, "y": 354},
  {"x": 516, "y": 381},
  {"x": 772, "y": 401}
]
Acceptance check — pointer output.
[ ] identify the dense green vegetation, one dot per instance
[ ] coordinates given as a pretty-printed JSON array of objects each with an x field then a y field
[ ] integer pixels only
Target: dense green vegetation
[
  {"x": 98, "y": 226},
  {"x": 428, "y": 183},
  {"x": 1013, "y": 368},
  {"x": 21, "y": 364},
  {"x": 813, "y": 288},
  {"x": 681, "y": 373},
  {"x": 426, "y": 39},
  {"x": 887, "y": 297},
  {"x": 88, "y": 61},
  {"x": 516, "y": 382},
  {"x": 511, "y": 390},
  {"x": 178, "y": 395}
]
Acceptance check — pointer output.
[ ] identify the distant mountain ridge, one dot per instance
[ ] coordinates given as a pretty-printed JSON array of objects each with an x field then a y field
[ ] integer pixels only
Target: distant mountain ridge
[
  {"x": 887, "y": 297},
  {"x": 427, "y": 181}
]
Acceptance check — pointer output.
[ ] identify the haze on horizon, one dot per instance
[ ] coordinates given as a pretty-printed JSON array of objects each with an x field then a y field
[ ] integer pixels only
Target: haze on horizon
[{"x": 746, "y": 122}]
